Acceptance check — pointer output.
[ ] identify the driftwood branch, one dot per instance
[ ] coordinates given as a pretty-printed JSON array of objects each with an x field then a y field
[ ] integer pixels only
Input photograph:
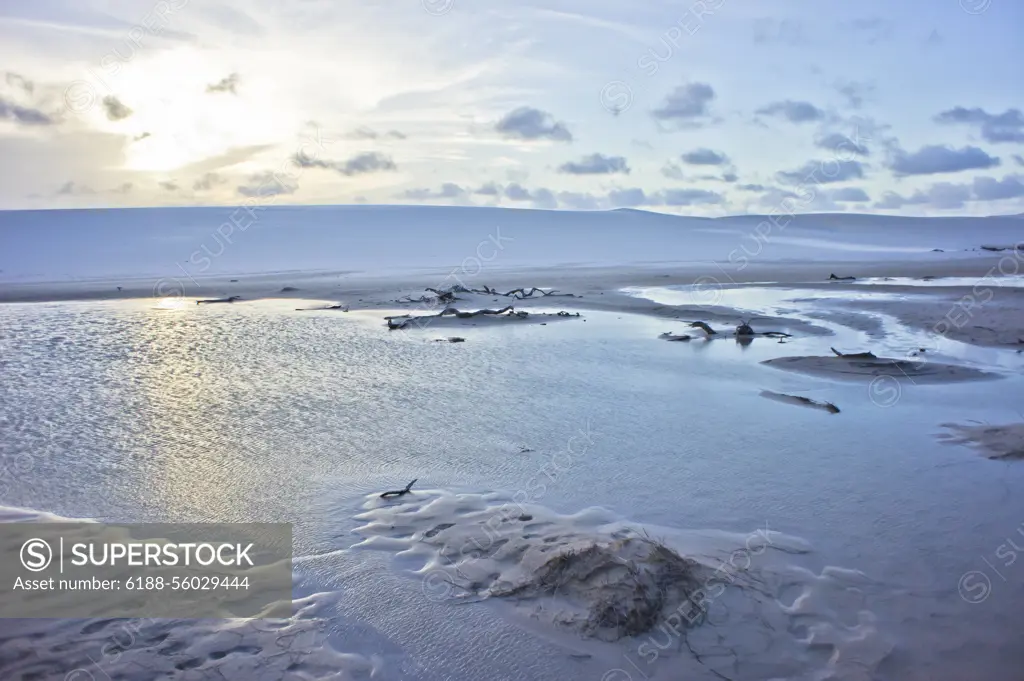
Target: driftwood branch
[
  {"x": 517, "y": 293},
  {"x": 339, "y": 306},
  {"x": 853, "y": 355},
  {"x": 405, "y": 320},
  {"x": 743, "y": 330},
  {"x": 399, "y": 492},
  {"x": 801, "y": 400},
  {"x": 207, "y": 301}
]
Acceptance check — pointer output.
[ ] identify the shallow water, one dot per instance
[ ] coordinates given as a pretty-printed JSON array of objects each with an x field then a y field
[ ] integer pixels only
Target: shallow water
[{"x": 126, "y": 411}]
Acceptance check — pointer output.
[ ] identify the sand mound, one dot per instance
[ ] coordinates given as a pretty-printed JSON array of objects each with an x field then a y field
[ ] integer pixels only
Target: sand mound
[
  {"x": 865, "y": 369},
  {"x": 612, "y": 589}
]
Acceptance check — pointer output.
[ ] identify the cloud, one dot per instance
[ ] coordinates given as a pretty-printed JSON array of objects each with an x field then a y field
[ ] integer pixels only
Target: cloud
[
  {"x": 1019, "y": 159},
  {"x": 849, "y": 194},
  {"x": 116, "y": 110},
  {"x": 627, "y": 198},
  {"x": 169, "y": 185},
  {"x": 685, "y": 105},
  {"x": 991, "y": 189},
  {"x": 541, "y": 198},
  {"x": 72, "y": 189},
  {"x": 751, "y": 187},
  {"x": 526, "y": 123},
  {"x": 366, "y": 163},
  {"x": 794, "y": 112},
  {"x": 785, "y": 32},
  {"x": 705, "y": 157},
  {"x": 686, "y": 197},
  {"x": 489, "y": 189},
  {"x": 517, "y": 192},
  {"x": 855, "y": 92},
  {"x": 267, "y": 184},
  {"x": 207, "y": 182},
  {"x": 995, "y": 128},
  {"x": 364, "y": 133},
  {"x": 935, "y": 158},
  {"x": 362, "y": 164},
  {"x": 141, "y": 136},
  {"x": 823, "y": 172},
  {"x": 634, "y": 197},
  {"x": 596, "y": 164},
  {"x": 579, "y": 201},
  {"x": 871, "y": 29},
  {"x": 24, "y": 115},
  {"x": 942, "y": 195},
  {"x": 20, "y": 82},
  {"x": 448, "y": 190},
  {"x": 841, "y": 144},
  {"x": 950, "y": 196},
  {"x": 123, "y": 188},
  {"x": 672, "y": 171},
  {"x": 227, "y": 84}
]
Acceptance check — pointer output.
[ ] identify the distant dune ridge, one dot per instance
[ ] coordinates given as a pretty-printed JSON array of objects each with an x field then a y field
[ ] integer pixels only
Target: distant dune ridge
[{"x": 63, "y": 245}]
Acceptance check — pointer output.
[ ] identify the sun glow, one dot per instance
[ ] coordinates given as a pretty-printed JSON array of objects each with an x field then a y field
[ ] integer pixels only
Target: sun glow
[{"x": 175, "y": 121}]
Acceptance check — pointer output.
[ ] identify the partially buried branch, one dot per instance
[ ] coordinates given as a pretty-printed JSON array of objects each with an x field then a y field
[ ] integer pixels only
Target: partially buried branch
[
  {"x": 854, "y": 355},
  {"x": 399, "y": 492}
]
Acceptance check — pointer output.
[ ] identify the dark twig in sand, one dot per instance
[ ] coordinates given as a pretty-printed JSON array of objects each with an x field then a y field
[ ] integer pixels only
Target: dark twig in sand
[
  {"x": 853, "y": 355},
  {"x": 798, "y": 399},
  {"x": 339, "y": 306},
  {"x": 230, "y": 299},
  {"x": 833, "y": 277},
  {"x": 399, "y": 492}
]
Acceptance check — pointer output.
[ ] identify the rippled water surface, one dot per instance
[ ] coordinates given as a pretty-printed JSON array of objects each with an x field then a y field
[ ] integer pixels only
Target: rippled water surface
[{"x": 254, "y": 411}]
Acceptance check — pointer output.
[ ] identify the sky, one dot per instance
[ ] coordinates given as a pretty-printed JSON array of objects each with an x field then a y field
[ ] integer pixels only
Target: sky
[{"x": 713, "y": 107}]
